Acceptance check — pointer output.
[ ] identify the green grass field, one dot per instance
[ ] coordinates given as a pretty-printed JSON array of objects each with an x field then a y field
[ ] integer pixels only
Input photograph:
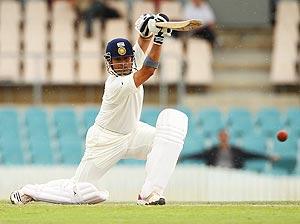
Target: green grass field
[{"x": 204, "y": 213}]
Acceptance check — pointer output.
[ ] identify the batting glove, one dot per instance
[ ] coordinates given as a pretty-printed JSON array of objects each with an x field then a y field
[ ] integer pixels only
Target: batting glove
[
  {"x": 159, "y": 33},
  {"x": 141, "y": 25}
]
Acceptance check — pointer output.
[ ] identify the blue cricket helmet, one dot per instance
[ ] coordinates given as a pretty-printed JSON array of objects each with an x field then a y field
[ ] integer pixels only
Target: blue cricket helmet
[
  {"x": 116, "y": 48},
  {"x": 119, "y": 47}
]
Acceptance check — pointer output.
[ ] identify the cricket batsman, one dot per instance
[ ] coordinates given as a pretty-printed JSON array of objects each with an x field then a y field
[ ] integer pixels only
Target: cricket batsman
[{"x": 118, "y": 132}]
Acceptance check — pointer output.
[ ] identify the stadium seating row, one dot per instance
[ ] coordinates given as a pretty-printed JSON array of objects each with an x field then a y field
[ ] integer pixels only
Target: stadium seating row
[
  {"x": 63, "y": 57},
  {"x": 43, "y": 137}
]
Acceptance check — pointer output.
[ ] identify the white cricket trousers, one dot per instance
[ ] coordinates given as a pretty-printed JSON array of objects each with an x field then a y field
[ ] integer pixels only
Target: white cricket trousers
[
  {"x": 105, "y": 148},
  {"x": 160, "y": 146}
]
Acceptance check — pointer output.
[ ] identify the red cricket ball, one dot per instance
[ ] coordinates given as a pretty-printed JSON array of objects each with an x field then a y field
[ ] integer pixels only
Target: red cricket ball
[{"x": 282, "y": 135}]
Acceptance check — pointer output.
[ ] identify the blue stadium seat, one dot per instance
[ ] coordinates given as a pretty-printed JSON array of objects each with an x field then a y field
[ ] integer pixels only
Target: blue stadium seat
[
  {"x": 293, "y": 116},
  {"x": 207, "y": 113},
  {"x": 285, "y": 166},
  {"x": 9, "y": 122},
  {"x": 10, "y": 141},
  {"x": 70, "y": 142},
  {"x": 293, "y": 121},
  {"x": 193, "y": 144},
  {"x": 241, "y": 127},
  {"x": 38, "y": 136},
  {"x": 256, "y": 165},
  {"x": 288, "y": 152},
  {"x": 35, "y": 115},
  {"x": 210, "y": 121},
  {"x": 89, "y": 116},
  {"x": 11, "y": 151},
  {"x": 269, "y": 121},
  {"x": 270, "y": 127},
  {"x": 267, "y": 112},
  {"x": 41, "y": 151},
  {"x": 295, "y": 130},
  {"x": 212, "y": 126},
  {"x": 235, "y": 114},
  {"x": 66, "y": 122},
  {"x": 288, "y": 148},
  {"x": 239, "y": 122},
  {"x": 8, "y": 113},
  {"x": 36, "y": 122},
  {"x": 253, "y": 142},
  {"x": 149, "y": 115},
  {"x": 71, "y": 150}
]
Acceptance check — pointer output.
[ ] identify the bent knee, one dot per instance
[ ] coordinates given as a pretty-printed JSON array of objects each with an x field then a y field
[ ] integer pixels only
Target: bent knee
[
  {"x": 173, "y": 118},
  {"x": 172, "y": 123},
  {"x": 89, "y": 194}
]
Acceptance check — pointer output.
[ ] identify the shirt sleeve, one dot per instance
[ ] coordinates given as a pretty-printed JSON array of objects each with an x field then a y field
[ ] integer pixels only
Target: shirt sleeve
[
  {"x": 119, "y": 88},
  {"x": 139, "y": 56}
]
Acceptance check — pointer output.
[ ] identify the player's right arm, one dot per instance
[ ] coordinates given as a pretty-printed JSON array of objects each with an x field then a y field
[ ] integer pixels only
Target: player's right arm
[
  {"x": 146, "y": 72},
  {"x": 152, "y": 60}
]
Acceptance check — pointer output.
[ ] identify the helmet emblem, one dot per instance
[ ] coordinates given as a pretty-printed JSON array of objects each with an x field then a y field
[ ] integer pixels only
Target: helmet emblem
[{"x": 121, "y": 50}]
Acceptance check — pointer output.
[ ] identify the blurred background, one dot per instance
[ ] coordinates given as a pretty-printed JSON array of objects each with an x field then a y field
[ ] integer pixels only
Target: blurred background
[{"x": 239, "y": 73}]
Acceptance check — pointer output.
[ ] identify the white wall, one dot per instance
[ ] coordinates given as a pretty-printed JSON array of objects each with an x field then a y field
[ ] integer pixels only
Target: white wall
[{"x": 192, "y": 183}]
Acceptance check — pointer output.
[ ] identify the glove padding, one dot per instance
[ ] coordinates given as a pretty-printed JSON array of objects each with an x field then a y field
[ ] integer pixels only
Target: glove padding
[
  {"x": 141, "y": 25},
  {"x": 159, "y": 33}
]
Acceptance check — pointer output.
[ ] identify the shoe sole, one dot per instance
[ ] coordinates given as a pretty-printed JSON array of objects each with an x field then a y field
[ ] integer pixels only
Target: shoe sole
[{"x": 161, "y": 201}]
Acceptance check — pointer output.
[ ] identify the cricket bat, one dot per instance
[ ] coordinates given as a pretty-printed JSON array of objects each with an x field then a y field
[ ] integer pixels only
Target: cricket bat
[{"x": 185, "y": 25}]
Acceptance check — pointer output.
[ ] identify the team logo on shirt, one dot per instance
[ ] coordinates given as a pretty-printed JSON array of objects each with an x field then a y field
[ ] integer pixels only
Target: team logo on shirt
[{"x": 121, "y": 48}]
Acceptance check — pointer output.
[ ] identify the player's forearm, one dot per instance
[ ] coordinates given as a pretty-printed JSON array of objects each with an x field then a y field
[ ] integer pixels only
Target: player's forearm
[
  {"x": 149, "y": 66},
  {"x": 143, "y": 75},
  {"x": 154, "y": 53},
  {"x": 144, "y": 43}
]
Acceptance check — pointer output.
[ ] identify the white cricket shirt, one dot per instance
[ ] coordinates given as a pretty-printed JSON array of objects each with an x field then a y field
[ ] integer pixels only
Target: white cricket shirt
[{"x": 122, "y": 101}]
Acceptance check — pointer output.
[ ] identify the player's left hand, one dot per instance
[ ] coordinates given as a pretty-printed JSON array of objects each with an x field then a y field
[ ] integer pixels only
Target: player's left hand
[
  {"x": 159, "y": 33},
  {"x": 159, "y": 18},
  {"x": 141, "y": 25}
]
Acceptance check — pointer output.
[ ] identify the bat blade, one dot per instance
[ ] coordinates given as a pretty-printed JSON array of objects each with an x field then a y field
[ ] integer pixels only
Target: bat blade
[{"x": 185, "y": 25}]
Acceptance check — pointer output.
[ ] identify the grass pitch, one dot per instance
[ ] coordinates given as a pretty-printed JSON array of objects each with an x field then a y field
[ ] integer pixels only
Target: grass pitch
[{"x": 204, "y": 213}]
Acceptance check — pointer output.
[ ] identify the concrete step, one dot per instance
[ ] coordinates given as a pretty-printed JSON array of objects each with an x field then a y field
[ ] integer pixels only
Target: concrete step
[
  {"x": 246, "y": 38},
  {"x": 241, "y": 80},
  {"x": 253, "y": 101},
  {"x": 251, "y": 59}
]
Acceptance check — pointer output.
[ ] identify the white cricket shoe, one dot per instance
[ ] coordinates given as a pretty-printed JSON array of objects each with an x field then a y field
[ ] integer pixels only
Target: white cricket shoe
[
  {"x": 18, "y": 198},
  {"x": 153, "y": 199}
]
